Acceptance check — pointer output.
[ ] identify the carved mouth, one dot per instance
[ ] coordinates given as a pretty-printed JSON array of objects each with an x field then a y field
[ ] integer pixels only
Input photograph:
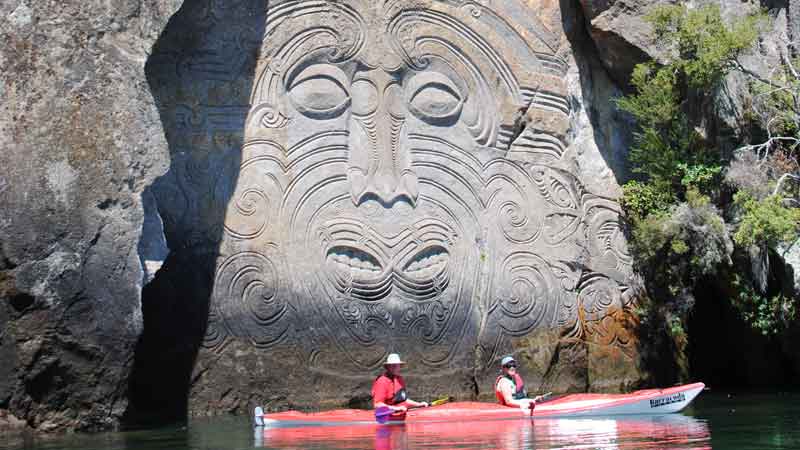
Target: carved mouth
[
  {"x": 357, "y": 274},
  {"x": 425, "y": 276},
  {"x": 427, "y": 263},
  {"x": 355, "y": 260}
]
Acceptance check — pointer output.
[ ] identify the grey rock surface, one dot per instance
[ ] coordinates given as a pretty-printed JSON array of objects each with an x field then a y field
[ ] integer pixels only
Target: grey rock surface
[
  {"x": 621, "y": 35},
  {"x": 623, "y": 38},
  {"x": 80, "y": 138},
  {"x": 339, "y": 180},
  {"x": 351, "y": 178}
]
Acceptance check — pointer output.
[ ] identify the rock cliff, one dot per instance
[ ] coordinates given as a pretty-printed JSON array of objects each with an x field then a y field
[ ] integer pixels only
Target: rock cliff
[
  {"x": 212, "y": 204},
  {"x": 81, "y": 138}
]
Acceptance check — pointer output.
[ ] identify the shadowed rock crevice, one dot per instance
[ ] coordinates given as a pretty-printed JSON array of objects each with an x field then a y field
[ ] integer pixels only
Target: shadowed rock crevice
[
  {"x": 201, "y": 75},
  {"x": 731, "y": 353},
  {"x": 611, "y": 129}
]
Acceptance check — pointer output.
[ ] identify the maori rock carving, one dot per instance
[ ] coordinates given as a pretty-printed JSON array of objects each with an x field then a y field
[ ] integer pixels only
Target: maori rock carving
[{"x": 386, "y": 199}]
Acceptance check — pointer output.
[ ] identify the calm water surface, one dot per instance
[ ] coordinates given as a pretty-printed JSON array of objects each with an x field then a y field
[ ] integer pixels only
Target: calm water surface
[{"x": 753, "y": 421}]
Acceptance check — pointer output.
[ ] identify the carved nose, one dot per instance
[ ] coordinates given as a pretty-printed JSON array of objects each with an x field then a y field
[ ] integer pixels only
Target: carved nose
[
  {"x": 388, "y": 188},
  {"x": 391, "y": 187},
  {"x": 380, "y": 165}
]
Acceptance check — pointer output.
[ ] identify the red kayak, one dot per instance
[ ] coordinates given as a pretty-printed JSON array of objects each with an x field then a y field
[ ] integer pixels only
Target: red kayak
[
  {"x": 649, "y": 401},
  {"x": 623, "y": 432}
]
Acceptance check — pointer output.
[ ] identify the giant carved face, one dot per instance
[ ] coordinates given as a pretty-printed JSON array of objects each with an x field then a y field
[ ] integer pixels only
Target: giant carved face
[{"x": 388, "y": 198}]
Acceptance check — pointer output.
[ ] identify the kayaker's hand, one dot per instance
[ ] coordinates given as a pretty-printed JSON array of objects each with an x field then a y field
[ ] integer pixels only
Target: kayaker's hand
[
  {"x": 400, "y": 408},
  {"x": 424, "y": 404}
]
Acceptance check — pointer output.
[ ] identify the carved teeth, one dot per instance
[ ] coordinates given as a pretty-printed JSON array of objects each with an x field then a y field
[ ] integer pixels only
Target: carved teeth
[
  {"x": 429, "y": 265},
  {"x": 356, "y": 264}
]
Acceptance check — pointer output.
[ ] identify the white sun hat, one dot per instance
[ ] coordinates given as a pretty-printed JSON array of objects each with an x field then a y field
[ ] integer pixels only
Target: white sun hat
[
  {"x": 506, "y": 360},
  {"x": 393, "y": 358}
]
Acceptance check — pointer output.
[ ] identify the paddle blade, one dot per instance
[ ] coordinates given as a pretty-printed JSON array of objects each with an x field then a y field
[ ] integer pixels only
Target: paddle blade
[
  {"x": 441, "y": 401},
  {"x": 383, "y": 413},
  {"x": 258, "y": 416}
]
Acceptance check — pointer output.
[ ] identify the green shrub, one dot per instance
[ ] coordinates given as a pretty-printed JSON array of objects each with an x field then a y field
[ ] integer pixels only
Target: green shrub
[
  {"x": 667, "y": 148},
  {"x": 702, "y": 177},
  {"x": 767, "y": 315},
  {"x": 765, "y": 222},
  {"x": 640, "y": 199},
  {"x": 656, "y": 102},
  {"x": 678, "y": 236},
  {"x": 683, "y": 244},
  {"x": 706, "y": 46}
]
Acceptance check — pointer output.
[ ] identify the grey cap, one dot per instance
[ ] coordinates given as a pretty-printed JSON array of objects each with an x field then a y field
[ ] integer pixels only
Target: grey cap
[{"x": 506, "y": 360}]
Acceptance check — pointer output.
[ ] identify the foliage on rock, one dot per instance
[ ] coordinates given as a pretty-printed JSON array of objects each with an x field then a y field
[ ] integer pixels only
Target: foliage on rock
[
  {"x": 766, "y": 221},
  {"x": 770, "y": 315},
  {"x": 680, "y": 246},
  {"x": 678, "y": 207},
  {"x": 707, "y": 48}
]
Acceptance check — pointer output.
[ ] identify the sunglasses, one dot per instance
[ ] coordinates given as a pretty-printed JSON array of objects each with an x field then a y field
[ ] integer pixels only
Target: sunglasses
[{"x": 509, "y": 366}]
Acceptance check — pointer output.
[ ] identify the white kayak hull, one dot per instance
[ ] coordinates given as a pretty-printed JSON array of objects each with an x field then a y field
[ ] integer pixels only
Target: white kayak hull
[{"x": 662, "y": 401}]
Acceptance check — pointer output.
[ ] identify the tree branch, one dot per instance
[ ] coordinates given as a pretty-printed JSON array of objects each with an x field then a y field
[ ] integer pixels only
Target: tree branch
[
  {"x": 740, "y": 67},
  {"x": 783, "y": 178}
]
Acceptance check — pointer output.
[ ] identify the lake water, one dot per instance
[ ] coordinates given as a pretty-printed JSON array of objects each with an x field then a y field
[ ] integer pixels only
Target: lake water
[{"x": 716, "y": 420}]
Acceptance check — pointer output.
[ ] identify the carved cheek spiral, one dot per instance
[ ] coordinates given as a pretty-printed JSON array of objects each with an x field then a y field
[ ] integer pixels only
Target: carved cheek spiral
[
  {"x": 242, "y": 220},
  {"x": 251, "y": 296},
  {"x": 248, "y": 212},
  {"x": 597, "y": 295},
  {"x": 526, "y": 293},
  {"x": 517, "y": 225}
]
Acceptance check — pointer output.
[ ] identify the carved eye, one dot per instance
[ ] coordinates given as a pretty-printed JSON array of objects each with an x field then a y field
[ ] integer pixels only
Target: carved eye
[
  {"x": 319, "y": 92},
  {"x": 434, "y": 99}
]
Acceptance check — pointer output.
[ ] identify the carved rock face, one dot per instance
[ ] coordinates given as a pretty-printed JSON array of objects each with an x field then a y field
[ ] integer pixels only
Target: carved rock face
[{"x": 390, "y": 199}]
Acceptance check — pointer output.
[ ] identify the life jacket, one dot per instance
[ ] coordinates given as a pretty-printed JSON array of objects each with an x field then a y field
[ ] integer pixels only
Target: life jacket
[{"x": 519, "y": 389}]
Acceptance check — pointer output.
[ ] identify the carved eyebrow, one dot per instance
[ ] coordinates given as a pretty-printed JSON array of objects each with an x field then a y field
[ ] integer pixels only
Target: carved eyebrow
[
  {"x": 326, "y": 71},
  {"x": 434, "y": 79}
]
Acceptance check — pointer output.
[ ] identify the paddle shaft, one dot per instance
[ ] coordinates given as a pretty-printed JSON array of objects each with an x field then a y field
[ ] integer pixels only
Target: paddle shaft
[{"x": 388, "y": 411}]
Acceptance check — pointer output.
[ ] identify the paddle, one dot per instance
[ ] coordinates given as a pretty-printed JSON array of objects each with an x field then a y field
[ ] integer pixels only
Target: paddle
[
  {"x": 258, "y": 416},
  {"x": 383, "y": 413},
  {"x": 543, "y": 398},
  {"x": 538, "y": 400}
]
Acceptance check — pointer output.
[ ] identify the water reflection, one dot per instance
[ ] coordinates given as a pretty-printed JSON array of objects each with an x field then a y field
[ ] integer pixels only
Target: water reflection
[{"x": 670, "y": 431}]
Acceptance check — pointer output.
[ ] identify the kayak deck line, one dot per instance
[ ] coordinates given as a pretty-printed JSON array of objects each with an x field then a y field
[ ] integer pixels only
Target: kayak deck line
[{"x": 643, "y": 402}]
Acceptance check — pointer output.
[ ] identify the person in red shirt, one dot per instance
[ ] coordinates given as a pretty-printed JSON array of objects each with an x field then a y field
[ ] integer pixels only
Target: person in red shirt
[{"x": 389, "y": 390}]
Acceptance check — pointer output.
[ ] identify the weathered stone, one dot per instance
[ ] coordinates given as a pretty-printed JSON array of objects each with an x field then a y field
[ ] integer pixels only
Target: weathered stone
[
  {"x": 9, "y": 422},
  {"x": 357, "y": 178},
  {"x": 81, "y": 138},
  {"x": 790, "y": 254},
  {"x": 621, "y": 35},
  {"x": 615, "y": 364}
]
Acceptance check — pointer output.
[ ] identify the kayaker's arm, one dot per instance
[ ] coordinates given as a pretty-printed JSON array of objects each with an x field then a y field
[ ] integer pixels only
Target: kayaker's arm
[
  {"x": 507, "y": 389},
  {"x": 413, "y": 404}
]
